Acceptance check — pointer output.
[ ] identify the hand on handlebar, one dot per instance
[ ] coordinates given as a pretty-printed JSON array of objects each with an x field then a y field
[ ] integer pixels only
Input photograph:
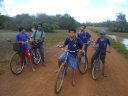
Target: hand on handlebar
[
  {"x": 108, "y": 51},
  {"x": 58, "y": 46}
]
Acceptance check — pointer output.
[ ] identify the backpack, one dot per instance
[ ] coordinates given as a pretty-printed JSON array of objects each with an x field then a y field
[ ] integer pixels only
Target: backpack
[{"x": 40, "y": 36}]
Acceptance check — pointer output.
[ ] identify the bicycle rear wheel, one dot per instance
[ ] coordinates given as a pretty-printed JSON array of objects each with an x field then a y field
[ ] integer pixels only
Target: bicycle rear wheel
[
  {"x": 82, "y": 63},
  {"x": 60, "y": 78},
  {"x": 36, "y": 56},
  {"x": 96, "y": 71},
  {"x": 16, "y": 66}
]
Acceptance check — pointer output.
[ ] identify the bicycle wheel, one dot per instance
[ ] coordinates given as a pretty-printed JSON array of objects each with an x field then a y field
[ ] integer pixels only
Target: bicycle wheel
[
  {"x": 96, "y": 71},
  {"x": 16, "y": 66},
  {"x": 36, "y": 56},
  {"x": 60, "y": 78},
  {"x": 82, "y": 63}
]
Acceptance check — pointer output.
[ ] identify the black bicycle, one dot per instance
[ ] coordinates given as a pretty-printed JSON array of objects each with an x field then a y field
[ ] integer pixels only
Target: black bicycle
[
  {"x": 36, "y": 57},
  {"x": 97, "y": 66},
  {"x": 83, "y": 62}
]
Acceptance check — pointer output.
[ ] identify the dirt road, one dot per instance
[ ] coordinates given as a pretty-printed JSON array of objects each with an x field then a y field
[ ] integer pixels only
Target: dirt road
[{"x": 41, "y": 82}]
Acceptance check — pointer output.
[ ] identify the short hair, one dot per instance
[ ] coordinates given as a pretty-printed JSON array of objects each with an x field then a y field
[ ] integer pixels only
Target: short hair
[
  {"x": 72, "y": 29},
  {"x": 40, "y": 24},
  {"x": 84, "y": 25},
  {"x": 21, "y": 29}
]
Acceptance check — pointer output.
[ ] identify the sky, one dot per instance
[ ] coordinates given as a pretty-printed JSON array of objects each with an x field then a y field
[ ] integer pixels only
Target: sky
[{"x": 81, "y": 10}]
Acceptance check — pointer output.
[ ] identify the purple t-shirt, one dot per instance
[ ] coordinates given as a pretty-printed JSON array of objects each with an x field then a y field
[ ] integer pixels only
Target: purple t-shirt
[
  {"x": 84, "y": 36},
  {"x": 72, "y": 45},
  {"x": 23, "y": 37},
  {"x": 103, "y": 44}
]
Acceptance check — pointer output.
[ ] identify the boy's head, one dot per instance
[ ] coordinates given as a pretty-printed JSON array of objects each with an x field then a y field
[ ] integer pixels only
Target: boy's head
[
  {"x": 21, "y": 29},
  {"x": 83, "y": 28},
  {"x": 72, "y": 33},
  {"x": 33, "y": 29},
  {"x": 102, "y": 33},
  {"x": 40, "y": 26}
]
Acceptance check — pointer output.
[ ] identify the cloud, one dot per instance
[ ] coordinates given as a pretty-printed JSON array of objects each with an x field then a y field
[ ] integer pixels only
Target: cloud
[
  {"x": 81, "y": 10},
  {"x": 116, "y": 1}
]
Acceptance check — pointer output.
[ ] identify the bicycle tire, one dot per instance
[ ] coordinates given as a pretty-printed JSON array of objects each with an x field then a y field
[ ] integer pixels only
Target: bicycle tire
[
  {"x": 96, "y": 71},
  {"x": 15, "y": 59},
  {"x": 36, "y": 59},
  {"x": 82, "y": 67},
  {"x": 60, "y": 78}
]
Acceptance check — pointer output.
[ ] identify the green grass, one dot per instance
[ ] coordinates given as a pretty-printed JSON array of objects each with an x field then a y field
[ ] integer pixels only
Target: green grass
[
  {"x": 2, "y": 71},
  {"x": 119, "y": 47},
  {"x": 116, "y": 44},
  {"x": 53, "y": 38}
]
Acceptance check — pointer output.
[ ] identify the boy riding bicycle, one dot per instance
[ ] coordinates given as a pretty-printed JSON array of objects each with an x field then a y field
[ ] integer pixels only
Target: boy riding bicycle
[
  {"x": 73, "y": 43},
  {"x": 22, "y": 37},
  {"x": 84, "y": 36},
  {"x": 101, "y": 46}
]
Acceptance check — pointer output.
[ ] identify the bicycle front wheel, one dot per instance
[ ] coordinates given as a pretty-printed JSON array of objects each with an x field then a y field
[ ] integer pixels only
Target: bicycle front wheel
[
  {"x": 16, "y": 65},
  {"x": 36, "y": 56},
  {"x": 82, "y": 63},
  {"x": 96, "y": 71},
  {"x": 60, "y": 78}
]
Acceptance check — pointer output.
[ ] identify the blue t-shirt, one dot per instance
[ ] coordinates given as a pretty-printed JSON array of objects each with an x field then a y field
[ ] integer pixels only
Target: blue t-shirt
[
  {"x": 23, "y": 37},
  {"x": 84, "y": 36},
  {"x": 103, "y": 44},
  {"x": 73, "y": 45}
]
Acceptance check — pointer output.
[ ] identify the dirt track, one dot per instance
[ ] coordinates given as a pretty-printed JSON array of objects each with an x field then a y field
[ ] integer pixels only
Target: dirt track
[{"x": 41, "y": 82}]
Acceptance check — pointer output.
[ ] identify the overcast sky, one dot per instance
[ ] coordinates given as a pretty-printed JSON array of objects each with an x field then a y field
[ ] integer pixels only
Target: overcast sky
[{"x": 81, "y": 10}]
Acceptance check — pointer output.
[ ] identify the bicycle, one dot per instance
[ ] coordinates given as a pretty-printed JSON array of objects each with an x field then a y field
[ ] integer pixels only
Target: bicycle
[
  {"x": 61, "y": 73},
  {"x": 36, "y": 57},
  {"x": 83, "y": 61},
  {"x": 97, "y": 67}
]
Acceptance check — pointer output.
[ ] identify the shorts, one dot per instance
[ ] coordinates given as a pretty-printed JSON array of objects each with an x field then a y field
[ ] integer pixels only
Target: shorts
[
  {"x": 72, "y": 60},
  {"x": 102, "y": 56}
]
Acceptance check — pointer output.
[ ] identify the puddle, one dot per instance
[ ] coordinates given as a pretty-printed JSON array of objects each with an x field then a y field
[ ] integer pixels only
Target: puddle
[
  {"x": 125, "y": 42},
  {"x": 112, "y": 36}
]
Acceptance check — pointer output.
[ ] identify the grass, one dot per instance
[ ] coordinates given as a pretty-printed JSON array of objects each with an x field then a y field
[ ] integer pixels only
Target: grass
[
  {"x": 119, "y": 47},
  {"x": 53, "y": 38},
  {"x": 2, "y": 71},
  {"x": 116, "y": 44}
]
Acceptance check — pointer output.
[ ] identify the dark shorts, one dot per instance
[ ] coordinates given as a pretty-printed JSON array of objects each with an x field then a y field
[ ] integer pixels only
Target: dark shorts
[{"x": 102, "y": 56}]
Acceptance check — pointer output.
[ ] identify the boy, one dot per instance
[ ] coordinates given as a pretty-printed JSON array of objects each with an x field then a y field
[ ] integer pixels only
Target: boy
[
  {"x": 73, "y": 44},
  {"x": 22, "y": 37},
  {"x": 39, "y": 35},
  {"x": 84, "y": 36},
  {"x": 101, "y": 45}
]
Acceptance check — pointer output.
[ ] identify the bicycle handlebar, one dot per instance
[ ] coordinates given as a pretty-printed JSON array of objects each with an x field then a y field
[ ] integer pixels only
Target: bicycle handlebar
[{"x": 67, "y": 50}]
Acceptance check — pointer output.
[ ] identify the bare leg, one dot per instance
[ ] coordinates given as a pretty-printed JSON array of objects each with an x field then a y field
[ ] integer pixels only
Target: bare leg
[
  {"x": 33, "y": 69},
  {"x": 59, "y": 63},
  {"x": 42, "y": 57},
  {"x": 73, "y": 77},
  {"x": 103, "y": 73}
]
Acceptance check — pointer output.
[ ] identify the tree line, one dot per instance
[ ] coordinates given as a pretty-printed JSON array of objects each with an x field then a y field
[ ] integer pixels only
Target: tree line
[
  {"x": 119, "y": 25},
  {"x": 50, "y": 23}
]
